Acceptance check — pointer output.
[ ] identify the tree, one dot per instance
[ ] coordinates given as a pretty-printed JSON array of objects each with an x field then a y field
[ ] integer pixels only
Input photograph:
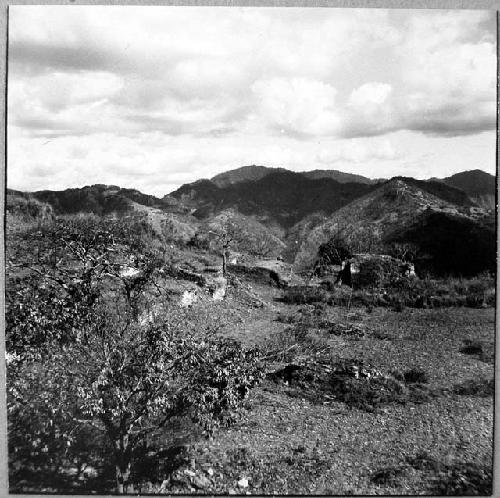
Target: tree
[
  {"x": 333, "y": 252},
  {"x": 404, "y": 251},
  {"x": 65, "y": 267},
  {"x": 226, "y": 234},
  {"x": 105, "y": 368},
  {"x": 128, "y": 380}
]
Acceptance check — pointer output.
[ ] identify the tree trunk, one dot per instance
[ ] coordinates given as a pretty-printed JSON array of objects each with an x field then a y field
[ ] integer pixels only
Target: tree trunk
[
  {"x": 224, "y": 264},
  {"x": 123, "y": 465},
  {"x": 122, "y": 479}
]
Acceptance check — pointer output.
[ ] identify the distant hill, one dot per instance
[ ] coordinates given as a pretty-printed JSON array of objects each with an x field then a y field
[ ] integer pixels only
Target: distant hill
[
  {"x": 338, "y": 176},
  {"x": 448, "y": 193},
  {"x": 275, "y": 211},
  {"x": 243, "y": 174},
  {"x": 254, "y": 173},
  {"x": 477, "y": 184},
  {"x": 97, "y": 199},
  {"x": 22, "y": 208},
  {"x": 369, "y": 222},
  {"x": 284, "y": 197}
]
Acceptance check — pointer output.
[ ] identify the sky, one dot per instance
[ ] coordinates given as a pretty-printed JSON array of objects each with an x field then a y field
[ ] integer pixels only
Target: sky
[{"x": 155, "y": 97}]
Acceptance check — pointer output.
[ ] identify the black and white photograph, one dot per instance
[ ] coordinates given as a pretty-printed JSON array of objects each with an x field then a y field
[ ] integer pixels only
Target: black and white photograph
[{"x": 250, "y": 250}]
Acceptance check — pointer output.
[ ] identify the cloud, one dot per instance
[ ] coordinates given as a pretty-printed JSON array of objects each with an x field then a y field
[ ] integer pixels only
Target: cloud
[
  {"x": 358, "y": 151},
  {"x": 370, "y": 94},
  {"x": 208, "y": 89},
  {"x": 450, "y": 74},
  {"x": 298, "y": 106}
]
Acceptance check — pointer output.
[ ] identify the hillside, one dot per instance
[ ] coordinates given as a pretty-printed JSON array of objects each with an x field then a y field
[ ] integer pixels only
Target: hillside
[
  {"x": 97, "y": 199},
  {"x": 368, "y": 223},
  {"x": 282, "y": 213},
  {"x": 243, "y": 174},
  {"x": 446, "y": 192},
  {"x": 449, "y": 244},
  {"x": 23, "y": 208},
  {"x": 284, "y": 197},
  {"x": 478, "y": 185},
  {"x": 248, "y": 235},
  {"x": 338, "y": 176},
  {"x": 254, "y": 173}
]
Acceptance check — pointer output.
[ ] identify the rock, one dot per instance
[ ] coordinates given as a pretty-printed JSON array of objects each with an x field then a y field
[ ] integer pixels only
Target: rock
[
  {"x": 243, "y": 483},
  {"x": 188, "y": 298},
  {"x": 129, "y": 272},
  {"x": 218, "y": 288},
  {"x": 200, "y": 481}
]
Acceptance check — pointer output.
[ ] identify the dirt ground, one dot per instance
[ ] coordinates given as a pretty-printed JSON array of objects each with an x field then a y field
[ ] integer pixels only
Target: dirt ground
[{"x": 289, "y": 442}]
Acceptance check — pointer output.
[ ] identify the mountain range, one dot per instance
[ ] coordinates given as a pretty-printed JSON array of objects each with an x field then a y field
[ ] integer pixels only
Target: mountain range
[{"x": 293, "y": 213}]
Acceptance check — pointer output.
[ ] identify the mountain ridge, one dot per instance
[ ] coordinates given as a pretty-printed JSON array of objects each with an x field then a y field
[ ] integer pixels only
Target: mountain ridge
[{"x": 285, "y": 213}]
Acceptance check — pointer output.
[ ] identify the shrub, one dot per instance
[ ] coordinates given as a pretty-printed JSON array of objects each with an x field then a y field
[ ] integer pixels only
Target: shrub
[
  {"x": 476, "y": 387},
  {"x": 472, "y": 347},
  {"x": 296, "y": 340},
  {"x": 83, "y": 358},
  {"x": 457, "y": 479},
  {"x": 334, "y": 251},
  {"x": 464, "y": 479},
  {"x": 305, "y": 295},
  {"x": 390, "y": 476},
  {"x": 414, "y": 376}
]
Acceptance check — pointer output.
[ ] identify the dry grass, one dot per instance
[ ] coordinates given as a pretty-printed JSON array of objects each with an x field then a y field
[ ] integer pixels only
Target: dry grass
[{"x": 290, "y": 442}]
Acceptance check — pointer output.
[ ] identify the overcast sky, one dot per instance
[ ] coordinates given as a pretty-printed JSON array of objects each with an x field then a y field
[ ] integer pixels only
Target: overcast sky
[{"x": 154, "y": 97}]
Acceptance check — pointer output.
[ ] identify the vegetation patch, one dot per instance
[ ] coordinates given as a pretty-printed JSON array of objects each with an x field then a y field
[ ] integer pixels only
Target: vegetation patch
[
  {"x": 303, "y": 294},
  {"x": 464, "y": 479},
  {"x": 389, "y": 477},
  {"x": 415, "y": 376},
  {"x": 349, "y": 330},
  {"x": 352, "y": 382},
  {"x": 476, "y": 387},
  {"x": 456, "y": 479},
  {"x": 481, "y": 350}
]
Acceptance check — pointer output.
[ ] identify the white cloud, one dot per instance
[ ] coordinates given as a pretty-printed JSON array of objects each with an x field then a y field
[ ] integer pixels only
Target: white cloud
[
  {"x": 154, "y": 96},
  {"x": 297, "y": 106},
  {"x": 370, "y": 94},
  {"x": 449, "y": 66},
  {"x": 358, "y": 150}
]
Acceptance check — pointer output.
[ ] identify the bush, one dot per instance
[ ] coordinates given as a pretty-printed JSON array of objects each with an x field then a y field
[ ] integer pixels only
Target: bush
[
  {"x": 333, "y": 252},
  {"x": 390, "y": 476},
  {"x": 294, "y": 341},
  {"x": 414, "y": 376},
  {"x": 81, "y": 357},
  {"x": 457, "y": 479},
  {"x": 400, "y": 292},
  {"x": 464, "y": 479},
  {"x": 305, "y": 295},
  {"x": 476, "y": 387},
  {"x": 349, "y": 381}
]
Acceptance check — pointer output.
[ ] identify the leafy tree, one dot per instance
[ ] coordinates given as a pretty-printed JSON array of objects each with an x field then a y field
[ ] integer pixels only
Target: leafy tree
[
  {"x": 104, "y": 367},
  {"x": 128, "y": 380},
  {"x": 333, "y": 252},
  {"x": 405, "y": 251}
]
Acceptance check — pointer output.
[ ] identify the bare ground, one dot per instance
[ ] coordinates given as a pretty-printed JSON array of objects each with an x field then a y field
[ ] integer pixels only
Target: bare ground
[{"x": 294, "y": 444}]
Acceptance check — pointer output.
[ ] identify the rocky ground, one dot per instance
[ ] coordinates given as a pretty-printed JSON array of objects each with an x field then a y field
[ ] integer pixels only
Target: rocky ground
[{"x": 373, "y": 402}]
